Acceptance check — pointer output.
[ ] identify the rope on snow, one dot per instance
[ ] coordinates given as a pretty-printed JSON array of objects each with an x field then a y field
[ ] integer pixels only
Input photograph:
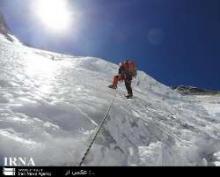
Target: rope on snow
[{"x": 98, "y": 130}]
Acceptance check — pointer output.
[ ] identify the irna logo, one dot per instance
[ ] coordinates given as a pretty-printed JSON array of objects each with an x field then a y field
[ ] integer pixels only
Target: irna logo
[{"x": 18, "y": 161}]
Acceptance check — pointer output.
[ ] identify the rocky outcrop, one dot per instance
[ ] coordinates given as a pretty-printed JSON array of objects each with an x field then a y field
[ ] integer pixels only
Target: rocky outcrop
[
  {"x": 4, "y": 28},
  {"x": 190, "y": 90}
]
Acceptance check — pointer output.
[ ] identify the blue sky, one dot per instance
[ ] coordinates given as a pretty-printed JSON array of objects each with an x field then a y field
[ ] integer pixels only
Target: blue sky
[{"x": 174, "y": 41}]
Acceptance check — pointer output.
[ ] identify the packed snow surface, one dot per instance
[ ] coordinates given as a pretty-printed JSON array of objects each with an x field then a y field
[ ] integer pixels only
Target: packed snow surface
[{"x": 51, "y": 105}]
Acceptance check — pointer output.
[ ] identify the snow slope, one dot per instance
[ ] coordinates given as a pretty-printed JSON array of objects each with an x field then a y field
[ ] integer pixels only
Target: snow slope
[{"x": 51, "y": 105}]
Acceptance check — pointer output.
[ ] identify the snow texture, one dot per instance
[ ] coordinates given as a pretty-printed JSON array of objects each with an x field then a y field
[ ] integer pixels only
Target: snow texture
[{"x": 51, "y": 105}]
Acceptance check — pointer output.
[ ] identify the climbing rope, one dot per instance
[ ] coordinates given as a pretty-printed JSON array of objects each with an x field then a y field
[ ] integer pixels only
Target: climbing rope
[{"x": 98, "y": 130}]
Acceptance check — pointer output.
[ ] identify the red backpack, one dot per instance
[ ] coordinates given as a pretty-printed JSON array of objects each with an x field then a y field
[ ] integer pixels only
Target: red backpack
[{"x": 131, "y": 67}]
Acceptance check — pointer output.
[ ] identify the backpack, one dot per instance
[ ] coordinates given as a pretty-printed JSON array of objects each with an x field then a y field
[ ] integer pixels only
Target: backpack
[{"x": 131, "y": 67}]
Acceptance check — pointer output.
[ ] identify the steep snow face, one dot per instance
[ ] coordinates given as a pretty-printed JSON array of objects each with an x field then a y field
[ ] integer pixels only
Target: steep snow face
[{"x": 52, "y": 104}]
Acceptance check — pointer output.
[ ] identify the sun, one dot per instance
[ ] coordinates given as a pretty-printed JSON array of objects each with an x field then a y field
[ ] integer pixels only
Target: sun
[{"x": 54, "y": 14}]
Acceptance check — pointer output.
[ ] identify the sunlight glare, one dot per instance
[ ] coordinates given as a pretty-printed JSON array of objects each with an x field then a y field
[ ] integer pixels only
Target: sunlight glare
[{"x": 54, "y": 14}]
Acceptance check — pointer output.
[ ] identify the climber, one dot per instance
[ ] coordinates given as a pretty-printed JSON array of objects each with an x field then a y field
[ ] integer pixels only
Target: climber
[{"x": 127, "y": 70}]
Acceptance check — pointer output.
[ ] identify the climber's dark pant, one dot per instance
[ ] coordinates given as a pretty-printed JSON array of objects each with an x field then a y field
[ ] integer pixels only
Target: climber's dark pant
[
  {"x": 128, "y": 79},
  {"x": 128, "y": 86}
]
